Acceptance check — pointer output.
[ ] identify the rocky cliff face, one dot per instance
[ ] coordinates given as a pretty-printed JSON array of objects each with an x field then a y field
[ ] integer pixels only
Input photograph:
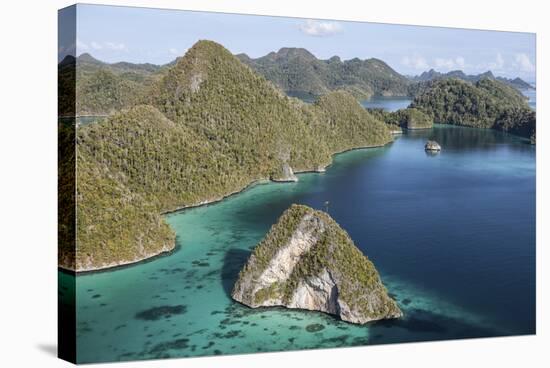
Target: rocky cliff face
[
  {"x": 286, "y": 174},
  {"x": 307, "y": 261}
]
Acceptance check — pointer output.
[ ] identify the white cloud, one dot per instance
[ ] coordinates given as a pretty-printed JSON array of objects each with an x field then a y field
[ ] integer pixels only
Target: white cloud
[
  {"x": 460, "y": 62},
  {"x": 524, "y": 63},
  {"x": 416, "y": 62},
  {"x": 96, "y": 45},
  {"x": 449, "y": 63},
  {"x": 81, "y": 46},
  {"x": 173, "y": 51},
  {"x": 498, "y": 64},
  {"x": 116, "y": 46},
  {"x": 320, "y": 28}
]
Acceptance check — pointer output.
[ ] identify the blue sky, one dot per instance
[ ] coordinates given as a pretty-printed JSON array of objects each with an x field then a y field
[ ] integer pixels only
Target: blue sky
[{"x": 157, "y": 36}]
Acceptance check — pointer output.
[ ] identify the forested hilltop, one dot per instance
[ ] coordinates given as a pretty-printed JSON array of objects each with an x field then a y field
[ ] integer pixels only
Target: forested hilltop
[
  {"x": 207, "y": 125},
  {"x": 485, "y": 104},
  {"x": 297, "y": 71},
  {"x": 105, "y": 88},
  {"x": 431, "y": 74},
  {"x": 203, "y": 128}
]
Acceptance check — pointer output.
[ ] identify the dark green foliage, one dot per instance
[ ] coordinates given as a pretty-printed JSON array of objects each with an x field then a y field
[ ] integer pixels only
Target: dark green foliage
[
  {"x": 485, "y": 104},
  {"x": 296, "y": 70},
  {"x": 409, "y": 118},
  {"x": 103, "y": 93},
  {"x": 66, "y": 87},
  {"x": 220, "y": 127},
  {"x": 518, "y": 121},
  {"x": 116, "y": 224},
  {"x": 346, "y": 124},
  {"x": 66, "y": 191},
  {"x": 412, "y": 118}
]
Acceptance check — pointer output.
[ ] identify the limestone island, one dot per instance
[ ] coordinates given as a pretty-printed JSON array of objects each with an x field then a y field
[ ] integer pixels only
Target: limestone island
[
  {"x": 432, "y": 146},
  {"x": 286, "y": 175},
  {"x": 307, "y": 261}
]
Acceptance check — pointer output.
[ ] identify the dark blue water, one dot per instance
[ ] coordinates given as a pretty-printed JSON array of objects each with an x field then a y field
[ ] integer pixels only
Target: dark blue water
[{"x": 452, "y": 235}]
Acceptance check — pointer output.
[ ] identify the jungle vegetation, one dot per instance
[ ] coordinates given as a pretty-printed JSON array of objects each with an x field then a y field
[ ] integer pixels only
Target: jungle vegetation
[
  {"x": 296, "y": 70},
  {"x": 208, "y": 127},
  {"x": 486, "y": 104}
]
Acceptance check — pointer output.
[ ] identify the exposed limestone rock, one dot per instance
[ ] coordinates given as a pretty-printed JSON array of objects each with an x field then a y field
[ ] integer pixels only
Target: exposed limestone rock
[
  {"x": 432, "y": 146},
  {"x": 307, "y": 261},
  {"x": 286, "y": 175},
  {"x": 195, "y": 82}
]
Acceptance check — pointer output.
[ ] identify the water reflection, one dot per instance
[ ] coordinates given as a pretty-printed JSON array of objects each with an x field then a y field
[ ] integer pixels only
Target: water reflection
[{"x": 461, "y": 138}]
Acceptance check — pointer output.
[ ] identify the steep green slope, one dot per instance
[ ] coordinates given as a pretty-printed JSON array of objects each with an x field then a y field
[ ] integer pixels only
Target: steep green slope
[
  {"x": 409, "y": 118},
  {"x": 298, "y": 71},
  {"x": 213, "y": 126},
  {"x": 347, "y": 124},
  {"x": 307, "y": 261},
  {"x": 103, "y": 93},
  {"x": 66, "y": 87},
  {"x": 66, "y": 187},
  {"x": 241, "y": 114},
  {"x": 485, "y": 104}
]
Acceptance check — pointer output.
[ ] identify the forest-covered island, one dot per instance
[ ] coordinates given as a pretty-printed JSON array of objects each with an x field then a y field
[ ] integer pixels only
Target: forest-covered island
[{"x": 211, "y": 123}]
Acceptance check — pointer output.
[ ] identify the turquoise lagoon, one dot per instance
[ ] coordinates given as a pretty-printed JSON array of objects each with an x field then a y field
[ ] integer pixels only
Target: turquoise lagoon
[{"x": 452, "y": 235}]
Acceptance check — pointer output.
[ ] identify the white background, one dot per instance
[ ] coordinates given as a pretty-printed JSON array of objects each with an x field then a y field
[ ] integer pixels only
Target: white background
[{"x": 28, "y": 181}]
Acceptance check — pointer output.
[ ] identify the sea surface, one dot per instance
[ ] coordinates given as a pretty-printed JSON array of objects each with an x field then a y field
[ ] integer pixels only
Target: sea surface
[
  {"x": 532, "y": 95},
  {"x": 452, "y": 235},
  {"x": 390, "y": 104}
]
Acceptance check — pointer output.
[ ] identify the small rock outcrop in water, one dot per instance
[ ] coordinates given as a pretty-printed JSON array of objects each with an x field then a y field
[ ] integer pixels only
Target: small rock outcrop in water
[
  {"x": 432, "y": 146},
  {"x": 286, "y": 175},
  {"x": 307, "y": 261}
]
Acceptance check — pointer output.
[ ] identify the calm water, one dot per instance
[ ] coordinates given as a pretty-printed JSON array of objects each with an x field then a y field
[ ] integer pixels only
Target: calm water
[
  {"x": 84, "y": 120},
  {"x": 452, "y": 235},
  {"x": 532, "y": 95},
  {"x": 387, "y": 103},
  {"x": 375, "y": 102}
]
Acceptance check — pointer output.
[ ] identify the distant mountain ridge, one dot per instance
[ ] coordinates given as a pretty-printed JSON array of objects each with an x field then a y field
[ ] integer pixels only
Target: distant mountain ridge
[
  {"x": 86, "y": 59},
  {"x": 107, "y": 87},
  {"x": 431, "y": 74},
  {"x": 103, "y": 88},
  {"x": 298, "y": 71}
]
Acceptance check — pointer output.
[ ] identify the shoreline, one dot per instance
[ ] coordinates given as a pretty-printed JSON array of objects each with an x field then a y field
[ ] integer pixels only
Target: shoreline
[
  {"x": 119, "y": 266},
  {"x": 262, "y": 181},
  {"x": 124, "y": 264}
]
